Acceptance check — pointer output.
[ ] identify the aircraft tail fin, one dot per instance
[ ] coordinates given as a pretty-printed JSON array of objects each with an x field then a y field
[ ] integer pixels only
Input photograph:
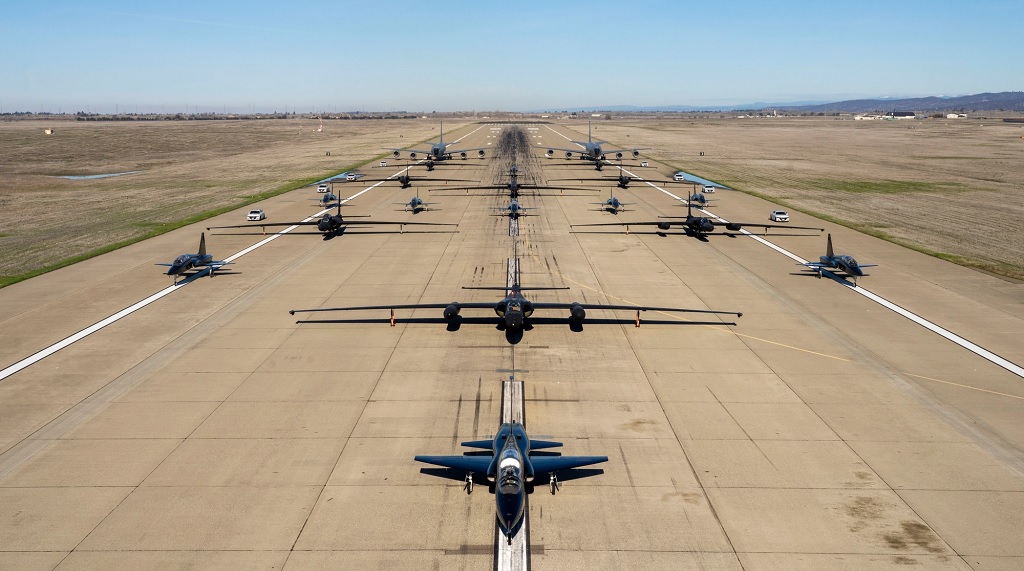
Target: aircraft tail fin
[
  {"x": 441, "y": 140},
  {"x": 828, "y": 249},
  {"x": 202, "y": 244}
]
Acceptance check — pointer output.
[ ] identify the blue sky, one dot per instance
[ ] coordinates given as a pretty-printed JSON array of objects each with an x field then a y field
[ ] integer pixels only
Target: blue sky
[{"x": 453, "y": 55}]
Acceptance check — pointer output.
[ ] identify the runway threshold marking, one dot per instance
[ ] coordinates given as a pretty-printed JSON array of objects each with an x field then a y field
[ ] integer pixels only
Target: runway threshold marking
[
  {"x": 71, "y": 339},
  {"x": 970, "y": 346}
]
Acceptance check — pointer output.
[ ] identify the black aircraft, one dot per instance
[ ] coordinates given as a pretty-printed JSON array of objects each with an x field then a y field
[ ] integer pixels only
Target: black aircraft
[
  {"x": 592, "y": 151},
  {"x": 699, "y": 226},
  {"x": 329, "y": 224},
  {"x": 510, "y": 466},
  {"x": 439, "y": 151},
  {"x": 514, "y": 210},
  {"x": 514, "y": 187},
  {"x": 841, "y": 262},
  {"x": 515, "y": 311},
  {"x": 405, "y": 179},
  {"x": 186, "y": 262},
  {"x": 623, "y": 180}
]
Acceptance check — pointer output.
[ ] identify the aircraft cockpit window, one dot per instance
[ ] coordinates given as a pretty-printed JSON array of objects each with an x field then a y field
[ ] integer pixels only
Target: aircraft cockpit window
[
  {"x": 180, "y": 259},
  {"x": 509, "y": 482},
  {"x": 513, "y": 306},
  {"x": 851, "y": 261}
]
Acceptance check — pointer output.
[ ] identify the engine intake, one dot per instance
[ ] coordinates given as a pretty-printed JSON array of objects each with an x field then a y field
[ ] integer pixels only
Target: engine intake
[
  {"x": 452, "y": 311},
  {"x": 396, "y": 154},
  {"x": 480, "y": 154},
  {"x": 664, "y": 226},
  {"x": 412, "y": 155},
  {"x": 733, "y": 226},
  {"x": 636, "y": 153},
  {"x": 618, "y": 155},
  {"x": 568, "y": 154},
  {"x": 576, "y": 312}
]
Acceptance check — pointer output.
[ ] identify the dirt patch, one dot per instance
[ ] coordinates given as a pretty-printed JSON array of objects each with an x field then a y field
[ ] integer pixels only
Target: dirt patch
[{"x": 914, "y": 533}]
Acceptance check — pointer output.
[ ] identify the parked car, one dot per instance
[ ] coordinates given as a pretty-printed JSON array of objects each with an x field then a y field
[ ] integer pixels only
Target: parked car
[
  {"x": 779, "y": 216},
  {"x": 709, "y": 188},
  {"x": 383, "y": 163},
  {"x": 351, "y": 176},
  {"x": 322, "y": 187},
  {"x": 643, "y": 163},
  {"x": 679, "y": 176},
  {"x": 256, "y": 214}
]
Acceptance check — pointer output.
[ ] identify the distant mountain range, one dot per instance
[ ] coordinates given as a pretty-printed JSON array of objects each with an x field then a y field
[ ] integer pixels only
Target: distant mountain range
[{"x": 1004, "y": 101}]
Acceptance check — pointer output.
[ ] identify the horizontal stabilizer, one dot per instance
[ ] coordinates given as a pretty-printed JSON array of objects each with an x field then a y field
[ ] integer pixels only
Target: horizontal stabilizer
[
  {"x": 477, "y": 464},
  {"x": 541, "y": 444},
  {"x": 485, "y": 444}
]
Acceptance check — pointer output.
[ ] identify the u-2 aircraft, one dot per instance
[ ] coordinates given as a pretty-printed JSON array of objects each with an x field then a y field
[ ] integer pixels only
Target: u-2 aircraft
[
  {"x": 592, "y": 151},
  {"x": 514, "y": 187},
  {"x": 840, "y": 262},
  {"x": 330, "y": 225},
  {"x": 438, "y": 151},
  {"x": 515, "y": 311},
  {"x": 510, "y": 466},
  {"x": 699, "y": 226},
  {"x": 186, "y": 262}
]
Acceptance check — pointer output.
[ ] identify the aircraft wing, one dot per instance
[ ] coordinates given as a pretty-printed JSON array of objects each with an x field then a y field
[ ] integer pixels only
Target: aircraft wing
[
  {"x": 586, "y": 306},
  {"x": 475, "y": 305},
  {"x": 716, "y": 223},
  {"x": 475, "y": 464},
  {"x": 542, "y": 464}
]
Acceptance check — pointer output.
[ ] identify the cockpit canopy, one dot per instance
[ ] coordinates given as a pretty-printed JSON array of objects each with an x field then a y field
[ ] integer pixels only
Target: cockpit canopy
[
  {"x": 509, "y": 480},
  {"x": 181, "y": 260}
]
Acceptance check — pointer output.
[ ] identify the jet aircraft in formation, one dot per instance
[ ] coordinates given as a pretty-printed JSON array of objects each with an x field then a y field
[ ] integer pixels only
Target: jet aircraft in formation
[
  {"x": 514, "y": 187},
  {"x": 838, "y": 262},
  {"x": 514, "y": 310},
  {"x": 511, "y": 466},
  {"x": 200, "y": 259},
  {"x": 592, "y": 151},
  {"x": 438, "y": 151},
  {"x": 698, "y": 226},
  {"x": 330, "y": 225}
]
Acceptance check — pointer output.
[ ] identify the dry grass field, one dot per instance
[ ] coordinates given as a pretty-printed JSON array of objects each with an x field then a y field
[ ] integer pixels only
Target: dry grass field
[
  {"x": 949, "y": 187},
  {"x": 187, "y": 168},
  {"x": 954, "y": 188}
]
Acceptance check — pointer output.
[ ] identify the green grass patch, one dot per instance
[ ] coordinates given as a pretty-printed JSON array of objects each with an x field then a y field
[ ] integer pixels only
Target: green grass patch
[
  {"x": 152, "y": 229},
  {"x": 886, "y": 186}
]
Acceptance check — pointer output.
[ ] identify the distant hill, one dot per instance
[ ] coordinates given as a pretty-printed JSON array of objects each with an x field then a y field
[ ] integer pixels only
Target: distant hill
[{"x": 1004, "y": 101}]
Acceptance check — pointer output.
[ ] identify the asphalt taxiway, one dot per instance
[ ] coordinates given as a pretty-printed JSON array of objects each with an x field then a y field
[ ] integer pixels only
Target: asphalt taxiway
[{"x": 208, "y": 429}]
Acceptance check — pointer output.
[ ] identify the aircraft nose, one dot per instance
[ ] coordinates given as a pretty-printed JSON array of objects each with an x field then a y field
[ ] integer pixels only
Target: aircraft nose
[{"x": 514, "y": 320}]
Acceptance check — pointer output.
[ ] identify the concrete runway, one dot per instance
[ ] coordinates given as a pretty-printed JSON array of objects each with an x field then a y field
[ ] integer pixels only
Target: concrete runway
[{"x": 209, "y": 430}]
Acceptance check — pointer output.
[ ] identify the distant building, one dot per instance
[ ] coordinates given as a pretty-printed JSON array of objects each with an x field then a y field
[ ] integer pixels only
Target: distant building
[
  {"x": 955, "y": 115},
  {"x": 900, "y": 115}
]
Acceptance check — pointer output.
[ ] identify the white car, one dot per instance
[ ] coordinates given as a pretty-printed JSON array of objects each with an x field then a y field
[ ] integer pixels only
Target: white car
[
  {"x": 322, "y": 188},
  {"x": 256, "y": 214},
  {"x": 709, "y": 188},
  {"x": 351, "y": 176},
  {"x": 779, "y": 216},
  {"x": 679, "y": 176}
]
